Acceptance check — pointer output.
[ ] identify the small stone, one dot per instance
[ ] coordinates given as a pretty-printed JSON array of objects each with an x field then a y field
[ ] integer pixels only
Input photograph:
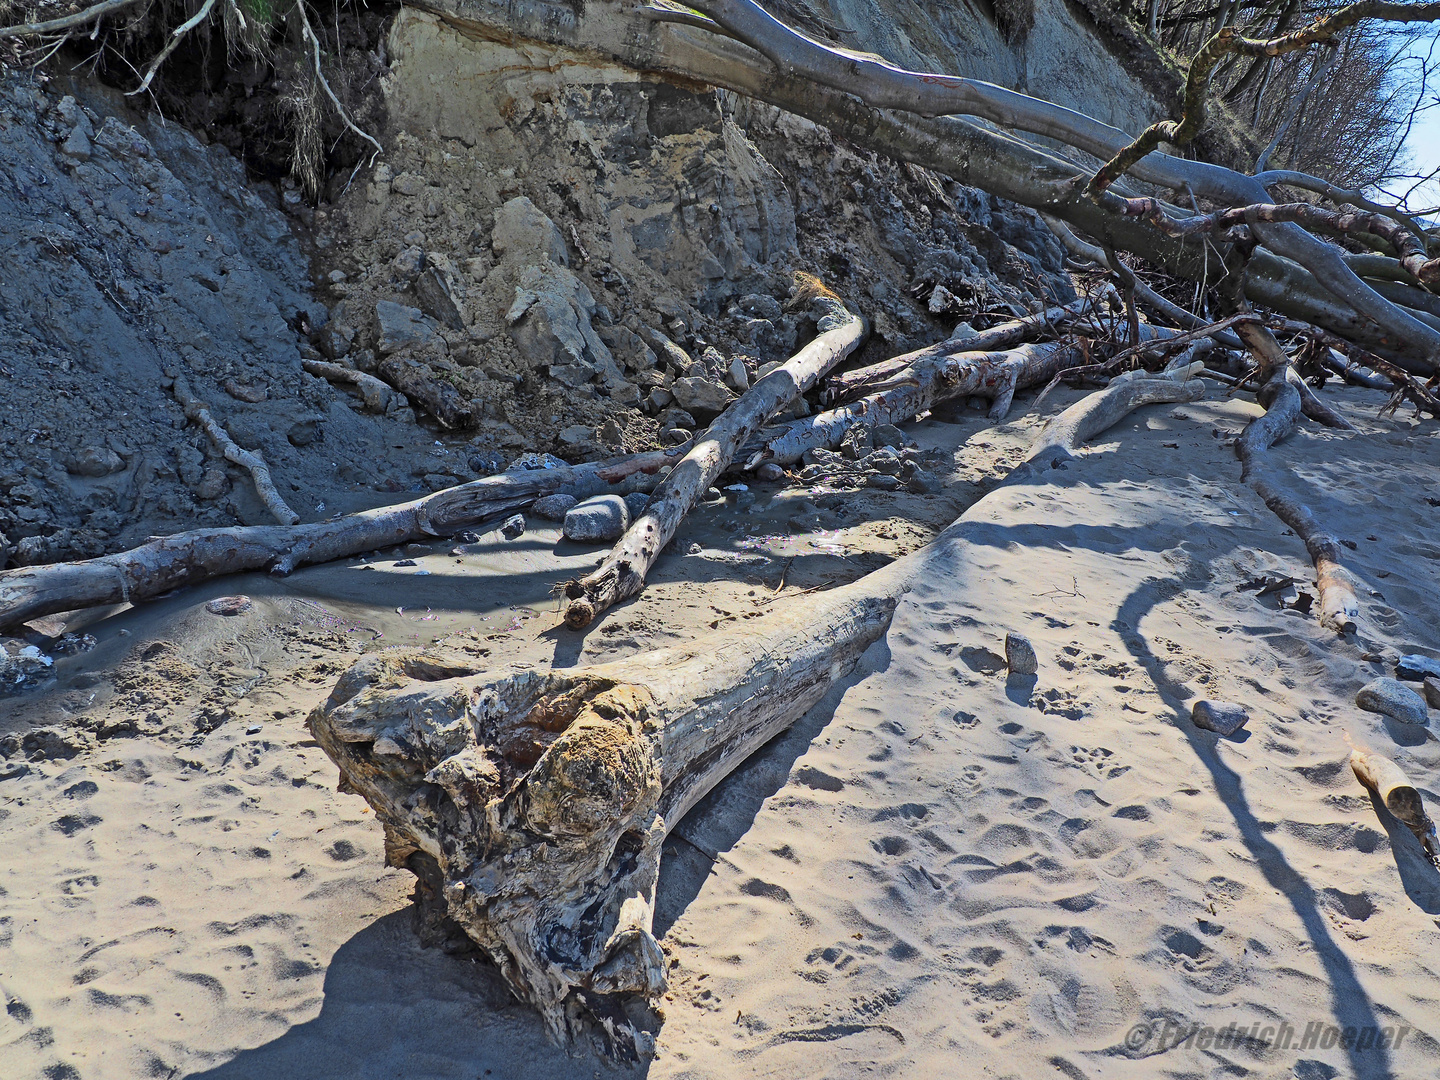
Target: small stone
[
  {"x": 1221, "y": 717},
  {"x": 857, "y": 442},
  {"x": 770, "y": 472},
  {"x": 229, "y": 605},
  {"x": 705, "y": 395},
  {"x": 760, "y": 306},
  {"x": 1394, "y": 699},
  {"x": 240, "y": 392},
  {"x": 923, "y": 482},
  {"x": 889, "y": 435},
  {"x": 636, "y": 502},
  {"x": 213, "y": 484},
  {"x": 575, "y": 435},
  {"x": 487, "y": 463},
  {"x": 254, "y": 729},
  {"x": 403, "y": 562},
  {"x": 401, "y": 326},
  {"x": 553, "y": 507},
  {"x": 601, "y": 519},
  {"x": 1417, "y": 668},
  {"x": 1020, "y": 655},
  {"x": 675, "y": 436},
  {"x": 95, "y": 461},
  {"x": 513, "y": 527},
  {"x": 408, "y": 183},
  {"x": 737, "y": 376},
  {"x": 882, "y": 482},
  {"x": 676, "y": 418},
  {"x": 713, "y": 493},
  {"x": 304, "y": 433},
  {"x": 1432, "y": 692},
  {"x": 884, "y": 461}
]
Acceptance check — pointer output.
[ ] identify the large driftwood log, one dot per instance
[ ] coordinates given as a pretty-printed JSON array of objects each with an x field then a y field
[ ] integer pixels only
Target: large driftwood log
[
  {"x": 622, "y": 574},
  {"x": 155, "y": 568},
  {"x": 537, "y": 802},
  {"x": 996, "y": 375},
  {"x": 851, "y": 385}
]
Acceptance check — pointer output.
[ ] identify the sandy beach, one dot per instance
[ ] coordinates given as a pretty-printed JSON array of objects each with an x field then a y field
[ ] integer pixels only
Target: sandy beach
[{"x": 940, "y": 870}]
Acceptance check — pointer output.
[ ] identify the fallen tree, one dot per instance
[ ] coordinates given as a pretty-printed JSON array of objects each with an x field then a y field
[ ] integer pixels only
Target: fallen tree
[
  {"x": 622, "y": 573},
  {"x": 155, "y": 568},
  {"x": 536, "y": 802}
]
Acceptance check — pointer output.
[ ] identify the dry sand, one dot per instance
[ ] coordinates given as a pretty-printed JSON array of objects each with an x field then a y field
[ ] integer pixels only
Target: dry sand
[{"x": 937, "y": 872}]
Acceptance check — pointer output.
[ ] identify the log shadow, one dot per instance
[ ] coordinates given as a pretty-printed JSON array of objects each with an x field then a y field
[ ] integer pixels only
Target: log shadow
[
  {"x": 395, "y": 1009},
  {"x": 1350, "y": 1002},
  {"x": 1418, "y": 874},
  {"x": 723, "y": 817}
]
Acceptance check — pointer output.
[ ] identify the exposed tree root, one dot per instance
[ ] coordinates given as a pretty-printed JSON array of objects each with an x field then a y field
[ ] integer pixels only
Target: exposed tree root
[
  {"x": 376, "y": 393},
  {"x": 250, "y": 460},
  {"x": 623, "y": 572}
]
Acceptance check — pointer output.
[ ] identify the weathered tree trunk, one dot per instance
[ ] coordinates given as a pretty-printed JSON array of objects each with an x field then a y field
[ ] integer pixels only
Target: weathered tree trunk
[
  {"x": 850, "y": 385},
  {"x": 155, "y": 568},
  {"x": 996, "y": 375},
  {"x": 439, "y": 399},
  {"x": 622, "y": 574},
  {"x": 544, "y": 797}
]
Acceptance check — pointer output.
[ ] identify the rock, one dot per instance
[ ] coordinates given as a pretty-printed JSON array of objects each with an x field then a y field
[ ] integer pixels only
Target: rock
[
  {"x": 1020, "y": 655},
  {"x": 95, "y": 461},
  {"x": 213, "y": 483},
  {"x": 77, "y": 146},
  {"x": 408, "y": 183},
  {"x": 576, "y": 435},
  {"x": 770, "y": 472},
  {"x": 701, "y": 394},
  {"x": 553, "y": 507},
  {"x": 538, "y": 461},
  {"x": 889, "y": 435},
  {"x": 229, "y": 605},
  {"x": 549, "y": 321},
  {"x": 636, "y": 502},
  {"x": 963, "y": 332},
  {"x": 486, "y": 463},
  {"x": 1394, "y": 699},
  {"x": 438, "y": 290},
  {"x": 523, "y": 233},
  {"x": 760, "y": 306},
  {"x": 924, "y": 482},
  {"x": 737, "y": 376},
  {"x": 305, "y": 432},
  {"x": 252, "y": 395},
  {"x": 401, "y": 326},
  {"x": 857, "y": 442},
  {"x": 1432, "y": 692},
  {"x": 884, "y": 461},
  {"x": 1221, "y": 717},
  {"x": 676, "y": 418},
  {"x": 674, "y": 436},
  {"x": 601, "y": 519},
  {"x": 513, "y": 527},
  {"x": 943, "y": 300},
  {"x": 659, "y": 398},
  {"x": 882, "y": 482},
  {"x": 1417, "y": 668}
]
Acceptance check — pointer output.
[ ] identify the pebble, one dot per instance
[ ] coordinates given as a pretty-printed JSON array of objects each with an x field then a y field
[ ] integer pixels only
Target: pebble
[
  {"x": 229, "y": 605},
  {"x": 883, "y": 482},
  {"x": 601, "y": 519},
  {"x": 924, "y": 482},
  {"x": 1221, "y": 717},
  {"x": 1417, "y": 668},
  {"x": 1394, "y": 699},
  {"x": 1020, "y": 655},
  {"x": 403, "y": 562},
  {"x": 636, "y": 502},
  {"x": 770, "y": 472},
  {"x": 513, "y": 527},
  {"x": 553, "y": 507}
]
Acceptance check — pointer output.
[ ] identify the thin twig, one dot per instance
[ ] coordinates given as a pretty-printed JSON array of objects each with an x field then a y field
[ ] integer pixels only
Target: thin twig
[
  {"x": 66, "y": 22},
  {"x": 180, "y": 31},
  {"x": 320, "y": 75}
]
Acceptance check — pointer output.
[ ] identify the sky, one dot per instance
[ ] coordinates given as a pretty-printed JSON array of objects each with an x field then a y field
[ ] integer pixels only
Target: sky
[{"x": 1424, "y": 143}]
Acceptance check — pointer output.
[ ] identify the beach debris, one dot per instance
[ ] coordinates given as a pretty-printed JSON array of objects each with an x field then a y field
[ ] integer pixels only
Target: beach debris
[
  {"x": 622, "y": 574},
  {"x": 23, "y": 667},
  {"x": 1400, "y": 796},
  {"x": 1020, "y": 655},
  {"x": 553, "y": 507},
  {"x": 229, "y": 605},
  {"x": 1221, "y": 717},
  {"x": 600, "y": 519},
  {"x": 1417, "y": 668},
  {"x": 1394, "y": 699}
]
